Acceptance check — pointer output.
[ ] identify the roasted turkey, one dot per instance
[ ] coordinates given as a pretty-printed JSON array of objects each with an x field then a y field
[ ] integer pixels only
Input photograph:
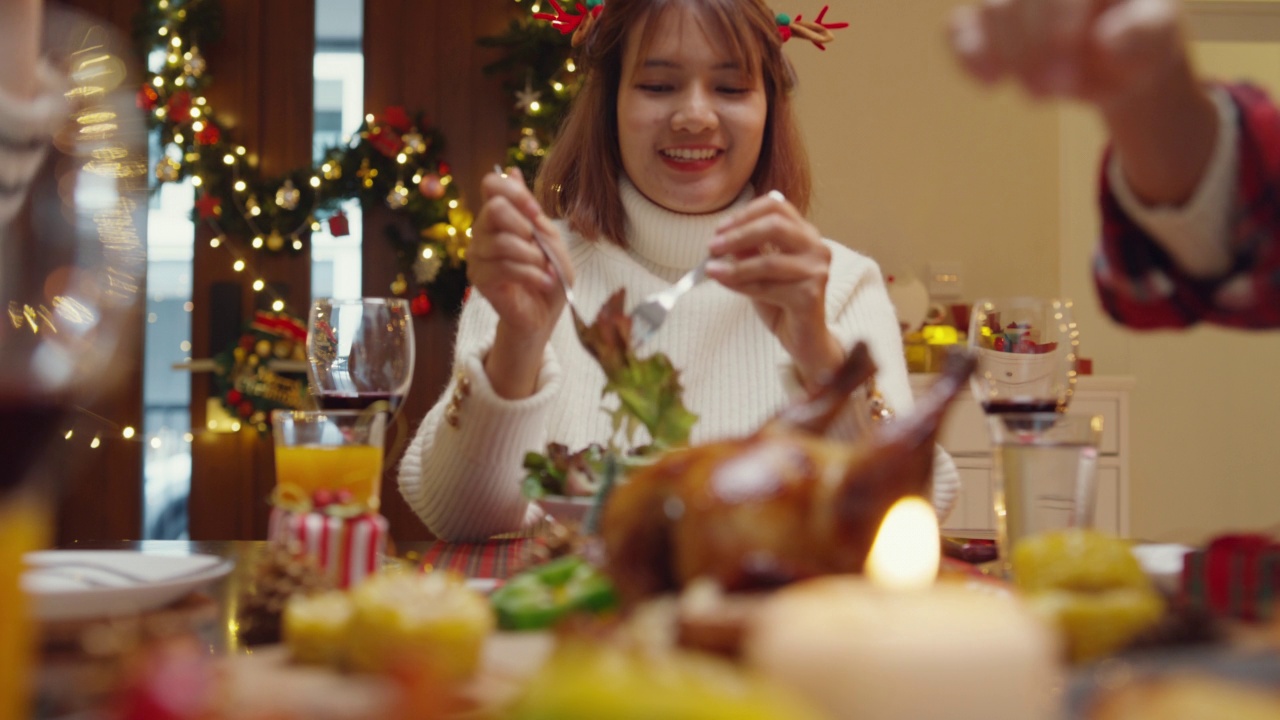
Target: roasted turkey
[{"x": 778, "y": 506}]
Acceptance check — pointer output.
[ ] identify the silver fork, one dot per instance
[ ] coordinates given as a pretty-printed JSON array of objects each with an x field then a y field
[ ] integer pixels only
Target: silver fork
[{"x": 649, "y": 315}]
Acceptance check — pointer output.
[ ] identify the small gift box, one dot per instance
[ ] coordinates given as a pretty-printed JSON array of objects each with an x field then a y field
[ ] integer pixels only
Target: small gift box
[
  {"x": 1235, "y": 576},
  {"x": 348, "y": 548}
]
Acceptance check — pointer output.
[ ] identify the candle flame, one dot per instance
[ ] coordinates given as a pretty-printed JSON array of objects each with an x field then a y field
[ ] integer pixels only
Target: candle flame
[{"x": 905, "y": 554}]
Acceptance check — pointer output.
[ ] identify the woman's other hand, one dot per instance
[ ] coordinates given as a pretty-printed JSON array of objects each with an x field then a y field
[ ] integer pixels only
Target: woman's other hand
[
  {"x": 507, "y": 266},
  {"x": 771, "y": 254}
]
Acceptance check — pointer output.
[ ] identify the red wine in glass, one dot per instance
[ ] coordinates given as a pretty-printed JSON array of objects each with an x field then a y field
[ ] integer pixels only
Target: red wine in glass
[
  {"x": 361, "y": 401},
  {"x": 1001, "y": 407}
]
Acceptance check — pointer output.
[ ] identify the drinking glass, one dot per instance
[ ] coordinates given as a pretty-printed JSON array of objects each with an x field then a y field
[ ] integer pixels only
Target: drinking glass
[
  {"x": 360, "y": 352},
  {"x": 1046, "y": 470},
  {"x": 329, "y": 457}
]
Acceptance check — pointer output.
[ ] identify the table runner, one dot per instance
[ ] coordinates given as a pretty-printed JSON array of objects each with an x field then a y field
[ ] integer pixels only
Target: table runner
[{"x": 497, "y": 559}]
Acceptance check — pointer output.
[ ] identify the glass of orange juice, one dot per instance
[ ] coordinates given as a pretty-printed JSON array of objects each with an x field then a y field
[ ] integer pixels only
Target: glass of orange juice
[{"x": 328, "y": 457}]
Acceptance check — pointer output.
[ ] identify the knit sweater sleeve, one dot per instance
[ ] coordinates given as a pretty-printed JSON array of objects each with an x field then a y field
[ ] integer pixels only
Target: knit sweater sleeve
[
  {"x": 26, "y": 131},
  {"x": 461, "y": 473},
  {"x": 859, "y": 309}
]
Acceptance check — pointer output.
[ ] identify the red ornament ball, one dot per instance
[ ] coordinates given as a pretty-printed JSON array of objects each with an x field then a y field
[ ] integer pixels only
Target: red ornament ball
[
  {"x": 431, "y": 187},
  {"x": 245, "y": 409},
  {"x": 234, "y": 397},
  {"x": 420, "y": 305}
]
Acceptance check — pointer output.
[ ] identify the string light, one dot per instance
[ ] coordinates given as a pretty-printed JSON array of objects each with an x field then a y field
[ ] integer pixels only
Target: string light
[
  {"x": 238, "y": 266},
  {"x": 96, "y": 442},
  {"x": 259, "y": 284},
  {"x": 278, "y": 306},
  {"x": 128, "y": 432}
]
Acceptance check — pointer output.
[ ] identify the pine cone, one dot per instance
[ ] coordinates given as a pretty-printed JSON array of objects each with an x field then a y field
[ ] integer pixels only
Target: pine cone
[{"x": 280, "y": 573}]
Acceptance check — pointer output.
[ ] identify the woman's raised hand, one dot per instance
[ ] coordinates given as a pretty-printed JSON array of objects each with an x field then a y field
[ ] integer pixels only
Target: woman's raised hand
[
  {"x": 1099, "y": 51},
  {"x": 771, "y": 254},
  {"x": 506, "y": 265}
]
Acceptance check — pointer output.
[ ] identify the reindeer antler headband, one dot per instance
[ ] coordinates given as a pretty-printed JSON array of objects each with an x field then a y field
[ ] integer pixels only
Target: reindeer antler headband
[{"x": 816, "y": 31}]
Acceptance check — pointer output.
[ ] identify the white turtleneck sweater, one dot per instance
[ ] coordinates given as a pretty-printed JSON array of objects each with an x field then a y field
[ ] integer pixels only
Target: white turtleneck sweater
[{"x": 464, "y": 480}]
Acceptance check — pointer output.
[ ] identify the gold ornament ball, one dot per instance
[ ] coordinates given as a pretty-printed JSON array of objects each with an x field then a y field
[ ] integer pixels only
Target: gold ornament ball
[
  {"x": 399, "y": 285},
  {"x": 398, "y": 197},
  {"x": 288, "y": 195},
  {"x": 167, "y": 170},
  {"x": 275, "y": 241},
  {"x": 414, "y": 142},
  {"x": 262, "y": 348}
]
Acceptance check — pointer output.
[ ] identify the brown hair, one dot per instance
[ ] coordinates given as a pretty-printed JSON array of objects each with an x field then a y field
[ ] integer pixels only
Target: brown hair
[{"x": 579, "y": 179}]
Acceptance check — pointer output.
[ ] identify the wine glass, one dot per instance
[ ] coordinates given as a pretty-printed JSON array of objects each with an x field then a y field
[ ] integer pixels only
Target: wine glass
[
  {"x": 1043, "y": 460},
  {"x": 1026, "y": 349},
  {"x": 360, "y": 352}
]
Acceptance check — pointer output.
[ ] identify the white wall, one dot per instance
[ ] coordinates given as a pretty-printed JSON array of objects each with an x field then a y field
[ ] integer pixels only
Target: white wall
[
  {"x": 913, "y": 164},
  {"x": 916, "y": 164}
]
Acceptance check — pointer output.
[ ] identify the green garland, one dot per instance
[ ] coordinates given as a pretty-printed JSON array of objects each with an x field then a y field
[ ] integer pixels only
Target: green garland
[
  {"x": 394, "y": 159},
  {"x": 538, "y": 69}
]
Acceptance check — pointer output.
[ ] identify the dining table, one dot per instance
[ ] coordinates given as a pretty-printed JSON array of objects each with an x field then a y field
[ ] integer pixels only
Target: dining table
[
  {"x": 71, "y": 679},
  {"x": 80, "y": 666}
]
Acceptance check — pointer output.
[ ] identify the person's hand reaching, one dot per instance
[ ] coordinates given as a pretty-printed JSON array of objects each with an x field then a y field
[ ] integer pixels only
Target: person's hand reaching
[{"x": 1100, "y": 51}]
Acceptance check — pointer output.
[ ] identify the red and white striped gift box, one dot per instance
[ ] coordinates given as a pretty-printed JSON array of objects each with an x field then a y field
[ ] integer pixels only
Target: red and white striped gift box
[{"x": 349, "y": 549}]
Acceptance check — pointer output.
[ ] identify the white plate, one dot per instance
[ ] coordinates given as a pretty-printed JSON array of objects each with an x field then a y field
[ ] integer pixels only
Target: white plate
[
  {"x": 1162, "y": 562},
  {"x": 565, "y": 508},
  {"x": 70, "y": 584}
]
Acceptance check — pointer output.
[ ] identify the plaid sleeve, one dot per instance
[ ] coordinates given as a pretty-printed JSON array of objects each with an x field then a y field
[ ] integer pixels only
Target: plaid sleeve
[{"x": 1141, "y": 286}]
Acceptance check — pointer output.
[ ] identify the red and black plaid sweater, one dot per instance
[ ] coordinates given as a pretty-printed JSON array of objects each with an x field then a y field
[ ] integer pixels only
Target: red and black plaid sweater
[{"x": 1138, "y": 282}]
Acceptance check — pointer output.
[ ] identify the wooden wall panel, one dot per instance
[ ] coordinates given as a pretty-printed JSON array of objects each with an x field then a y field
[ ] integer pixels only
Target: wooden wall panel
[
  {"x": 424, "y": 56},
  {"x": 262, "y": 90}
]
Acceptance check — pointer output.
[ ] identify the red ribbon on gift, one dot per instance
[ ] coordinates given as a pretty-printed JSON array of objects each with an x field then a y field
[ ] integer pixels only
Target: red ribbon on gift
[{"x": 348, "y": 549}]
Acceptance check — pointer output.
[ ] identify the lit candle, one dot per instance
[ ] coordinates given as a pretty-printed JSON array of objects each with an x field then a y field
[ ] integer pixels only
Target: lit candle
[
  {"x": 895, "y": 645},
  {"x": 906, "y": 551}
]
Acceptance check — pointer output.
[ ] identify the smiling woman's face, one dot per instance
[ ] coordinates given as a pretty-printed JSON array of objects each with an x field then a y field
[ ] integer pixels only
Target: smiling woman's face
[{"x": 690, "y": 119}]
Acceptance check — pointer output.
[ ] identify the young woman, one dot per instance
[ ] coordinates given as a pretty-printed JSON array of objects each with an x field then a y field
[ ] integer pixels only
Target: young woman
[{"x": 682, "y": 129}]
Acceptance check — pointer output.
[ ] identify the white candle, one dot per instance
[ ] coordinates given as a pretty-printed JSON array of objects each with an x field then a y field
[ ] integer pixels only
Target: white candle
[{"x": 907, "y": 649}]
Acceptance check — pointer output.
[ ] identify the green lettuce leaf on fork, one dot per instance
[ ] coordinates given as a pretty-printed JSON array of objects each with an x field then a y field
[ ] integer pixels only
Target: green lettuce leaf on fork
[
  {"x": 649, "y": 394},
  {"x": 648, "y": 390}
]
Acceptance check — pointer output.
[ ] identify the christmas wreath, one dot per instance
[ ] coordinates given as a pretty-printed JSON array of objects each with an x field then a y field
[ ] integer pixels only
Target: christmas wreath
[
  {"x": 394, "y": 158},
  {"x": 247, "y": 382}
]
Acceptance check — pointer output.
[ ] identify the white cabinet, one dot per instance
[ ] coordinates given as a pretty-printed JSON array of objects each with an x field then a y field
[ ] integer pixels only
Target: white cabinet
[{"x": 964, "y": 435}]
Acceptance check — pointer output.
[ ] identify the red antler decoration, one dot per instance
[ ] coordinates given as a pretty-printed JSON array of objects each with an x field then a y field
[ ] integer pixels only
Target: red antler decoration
[{"x": 817, "y": 31}]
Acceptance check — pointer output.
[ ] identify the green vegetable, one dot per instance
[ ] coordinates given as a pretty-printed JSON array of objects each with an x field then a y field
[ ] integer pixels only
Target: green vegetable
[{"x": 541, "y": 596}]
